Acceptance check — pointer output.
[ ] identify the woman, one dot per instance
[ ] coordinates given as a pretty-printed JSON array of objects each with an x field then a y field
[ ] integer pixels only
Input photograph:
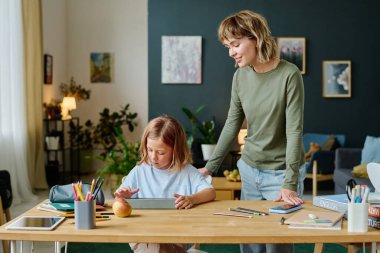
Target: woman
[{"x": 268, "y": 92}]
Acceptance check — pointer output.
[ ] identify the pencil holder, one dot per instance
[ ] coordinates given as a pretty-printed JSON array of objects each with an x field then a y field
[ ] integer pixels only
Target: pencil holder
[
  {"x": 357, "y": 217},
  {"x": 85, "y": 214}
]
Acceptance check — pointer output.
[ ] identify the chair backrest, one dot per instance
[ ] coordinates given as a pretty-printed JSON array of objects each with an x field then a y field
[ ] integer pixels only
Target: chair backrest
[
  {"x": 5, "y": 189},
  {"x": 321, "y": 138}
]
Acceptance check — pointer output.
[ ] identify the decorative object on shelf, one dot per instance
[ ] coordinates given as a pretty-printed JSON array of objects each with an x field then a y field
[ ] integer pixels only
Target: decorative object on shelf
[
  {"x": 52, "y": 140},
  {"x": 52, "y": 110},
  {"x": 241, "y": 138},
  {"x": 68, "y": 104},
  {"x": 74, "y": 90},
  {"x": 181, "y": 59},
  {"x": 48, "y": 69},
  {"x": 293, "y": 50},
  {"x": 101, "y": 67},
  {"x": 206, "y": 128},
  {"x": 336, "y": 79}
]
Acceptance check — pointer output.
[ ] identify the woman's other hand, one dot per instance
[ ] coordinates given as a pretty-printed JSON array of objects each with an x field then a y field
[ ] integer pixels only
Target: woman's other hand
[
  {"x": 289, "y": 196},
  {"x": 204, "y": 171}
]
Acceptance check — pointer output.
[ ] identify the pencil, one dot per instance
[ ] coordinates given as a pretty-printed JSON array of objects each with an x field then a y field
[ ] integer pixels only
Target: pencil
[{"x": 235, "y": 215}]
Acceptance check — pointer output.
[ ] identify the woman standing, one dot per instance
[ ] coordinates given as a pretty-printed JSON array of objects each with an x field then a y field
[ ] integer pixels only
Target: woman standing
[{"x": 269, "y": 93}]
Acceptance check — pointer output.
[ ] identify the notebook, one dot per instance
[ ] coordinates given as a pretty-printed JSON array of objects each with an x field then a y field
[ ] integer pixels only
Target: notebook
[
  {"x": 152, "y": 203},
  {"x": 303, "y": 218}
]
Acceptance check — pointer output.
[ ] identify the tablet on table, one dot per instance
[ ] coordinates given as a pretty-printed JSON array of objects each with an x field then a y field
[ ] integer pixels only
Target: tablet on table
[{"x": 36, "y": 223}]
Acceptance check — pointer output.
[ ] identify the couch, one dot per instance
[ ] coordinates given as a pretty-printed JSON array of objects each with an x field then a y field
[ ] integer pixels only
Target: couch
[{"x": 346, "y": 159}]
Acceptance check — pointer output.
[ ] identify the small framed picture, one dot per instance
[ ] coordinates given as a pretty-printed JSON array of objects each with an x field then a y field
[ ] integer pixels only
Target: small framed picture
[
  {"x": 48, "y": 69},
  {"x": 336, "y": 79},
  {"x": 293, "y": 50}
]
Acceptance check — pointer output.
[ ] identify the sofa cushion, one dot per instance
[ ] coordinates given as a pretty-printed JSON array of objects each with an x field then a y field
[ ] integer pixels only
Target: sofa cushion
[{"x": 371, "y": 150}]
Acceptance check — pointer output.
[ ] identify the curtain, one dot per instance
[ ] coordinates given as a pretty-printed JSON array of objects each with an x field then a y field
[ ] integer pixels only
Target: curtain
[
  {"x": 13, "y": 130},
  {"x": 32, "y": 29}
]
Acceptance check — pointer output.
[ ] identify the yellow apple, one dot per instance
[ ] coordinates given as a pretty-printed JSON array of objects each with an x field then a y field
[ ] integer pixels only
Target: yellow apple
[{"x": 121, "y": 208}]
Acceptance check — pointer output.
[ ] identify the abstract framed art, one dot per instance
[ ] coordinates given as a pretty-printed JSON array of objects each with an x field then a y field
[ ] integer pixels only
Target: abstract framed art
[
  {"x": 293, "y": 49},
  {"x": 181, "y": 59},
  {"x": 336, "y": 79}
]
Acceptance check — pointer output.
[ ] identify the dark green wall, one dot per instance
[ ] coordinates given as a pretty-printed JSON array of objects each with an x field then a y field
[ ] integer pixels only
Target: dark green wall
[{"x": 334, "y": 30}]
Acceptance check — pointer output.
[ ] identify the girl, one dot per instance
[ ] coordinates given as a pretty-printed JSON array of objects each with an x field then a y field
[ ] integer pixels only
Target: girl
[{"x": 165, "y": 171}]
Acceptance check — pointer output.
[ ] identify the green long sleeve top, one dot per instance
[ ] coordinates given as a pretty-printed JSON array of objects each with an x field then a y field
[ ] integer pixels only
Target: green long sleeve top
[{"x": 273, "y": 105}]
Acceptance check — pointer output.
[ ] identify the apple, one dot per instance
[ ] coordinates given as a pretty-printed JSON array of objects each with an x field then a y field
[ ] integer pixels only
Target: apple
[
  {"x": 226, "y": 173},
  {"x": 121, "y": 208}
]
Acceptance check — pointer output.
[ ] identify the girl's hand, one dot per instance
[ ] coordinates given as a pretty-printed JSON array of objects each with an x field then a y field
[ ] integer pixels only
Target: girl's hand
[
  {"x": 125, "y": 192},
  {"x": 183, "y": 202}
]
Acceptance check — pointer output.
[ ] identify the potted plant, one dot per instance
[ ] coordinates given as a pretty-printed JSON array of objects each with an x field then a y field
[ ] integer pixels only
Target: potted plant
[
  {"x": 74, "y": 90},
  {"x": 119, "y": 161},
  {"x": 206, "y": 128},
  {"x": 105, "y": 133},
  {"x": 52, "y": 139},
  {"x": 52, "y": 110}
]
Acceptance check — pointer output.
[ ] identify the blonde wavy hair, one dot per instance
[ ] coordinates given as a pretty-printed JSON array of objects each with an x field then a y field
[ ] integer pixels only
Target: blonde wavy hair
[
  {"x": 171, "y": 132},
  {"x": 252, "y": 25}
]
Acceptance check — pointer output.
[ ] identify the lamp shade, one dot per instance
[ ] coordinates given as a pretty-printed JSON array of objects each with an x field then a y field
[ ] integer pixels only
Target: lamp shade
[{"x": 69, "y": 103}]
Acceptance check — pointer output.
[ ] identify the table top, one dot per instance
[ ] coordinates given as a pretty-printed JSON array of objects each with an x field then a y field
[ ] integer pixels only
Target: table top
[{"x": 195, "y": 225}]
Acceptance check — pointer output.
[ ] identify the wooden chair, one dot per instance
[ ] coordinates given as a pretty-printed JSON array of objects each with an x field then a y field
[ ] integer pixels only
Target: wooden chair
[
  {"x": 317, "y": 177},
  {"x": 7, "y": 214},
  {"x": 5, "y": 202}
]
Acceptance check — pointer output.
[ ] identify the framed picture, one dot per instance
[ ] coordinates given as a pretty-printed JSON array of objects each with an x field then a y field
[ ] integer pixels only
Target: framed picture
[
  {"x": 181, "y": 59},
  {"x": 293, "y": 50},
  {"x": 336, "y": 79},
  {"x": 48, "y": 69},
  {"x": 101, "y": 67}
]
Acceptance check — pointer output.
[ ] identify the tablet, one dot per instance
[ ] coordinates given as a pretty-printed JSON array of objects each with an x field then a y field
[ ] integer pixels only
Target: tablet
[
  {"x": 152, "y": 203},
  {"x": 36, "y": 223}
]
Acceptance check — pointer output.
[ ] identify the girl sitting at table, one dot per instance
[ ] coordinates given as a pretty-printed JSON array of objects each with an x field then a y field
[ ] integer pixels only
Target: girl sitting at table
[{"x": 165, "y": 171}]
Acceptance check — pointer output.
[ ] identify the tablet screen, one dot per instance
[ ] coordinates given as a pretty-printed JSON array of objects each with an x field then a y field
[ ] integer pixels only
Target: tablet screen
[{"x": 36, "y": 223}]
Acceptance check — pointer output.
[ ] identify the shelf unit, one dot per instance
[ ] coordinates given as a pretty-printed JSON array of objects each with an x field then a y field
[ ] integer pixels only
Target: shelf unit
[{"x": 61, "y": 164}]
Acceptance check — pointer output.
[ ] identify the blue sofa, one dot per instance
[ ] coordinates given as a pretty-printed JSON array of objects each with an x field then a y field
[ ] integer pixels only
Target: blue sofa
[{"x": 346, "y": 159}]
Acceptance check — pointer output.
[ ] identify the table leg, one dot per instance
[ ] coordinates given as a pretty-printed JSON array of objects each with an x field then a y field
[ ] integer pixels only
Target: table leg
[{"x": 13, "y": 246}]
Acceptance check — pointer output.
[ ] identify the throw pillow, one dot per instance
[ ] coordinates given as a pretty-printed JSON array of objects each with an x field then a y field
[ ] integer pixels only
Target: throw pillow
[
  {"x": 371, "y": 150},
  {"x": 313, "y": 147},
  {"x": 330, "y": 144},
  {"x": 360, "y": 171}
]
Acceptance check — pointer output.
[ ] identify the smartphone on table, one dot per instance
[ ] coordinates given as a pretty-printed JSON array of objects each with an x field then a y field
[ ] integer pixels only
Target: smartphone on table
[{"x": 285, "y": 208}]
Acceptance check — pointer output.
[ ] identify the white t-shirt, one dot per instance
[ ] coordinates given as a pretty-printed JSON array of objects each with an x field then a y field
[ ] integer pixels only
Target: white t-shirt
[{"x": 156, "y": 183}]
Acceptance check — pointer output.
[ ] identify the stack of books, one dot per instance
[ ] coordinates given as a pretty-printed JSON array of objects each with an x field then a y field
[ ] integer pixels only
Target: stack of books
[
  {"x": 315, "y": 220},
  {"x": 61, "y": 208},
  {"x": 338, "y": 203}
]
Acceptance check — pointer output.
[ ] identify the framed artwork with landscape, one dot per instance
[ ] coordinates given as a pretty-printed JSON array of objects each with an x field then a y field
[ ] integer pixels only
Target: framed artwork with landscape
[
  {"x": 293, "y": 49},
  {"x": 336, "y": 79}
]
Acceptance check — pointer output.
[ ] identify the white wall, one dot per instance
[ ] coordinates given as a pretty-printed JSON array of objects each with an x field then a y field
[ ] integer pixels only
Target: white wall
[{"x": 75, "y": 28}]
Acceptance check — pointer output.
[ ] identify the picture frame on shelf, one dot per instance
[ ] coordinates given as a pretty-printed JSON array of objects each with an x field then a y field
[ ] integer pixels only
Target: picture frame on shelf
[
  {"x": 336, "y": 79},
  {"x": 293, "y": 49},
  {"x": 48, "y": 69}
]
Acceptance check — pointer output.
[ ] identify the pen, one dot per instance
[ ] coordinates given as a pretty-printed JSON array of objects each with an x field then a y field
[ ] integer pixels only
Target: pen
[
  {"x": 243, "y": 211},
  {"x": 75, "y": 192},
  {"x": 235, "y": 215},
  {"x": 252, "y": 211},
  {"x": 92, "y": 186}
]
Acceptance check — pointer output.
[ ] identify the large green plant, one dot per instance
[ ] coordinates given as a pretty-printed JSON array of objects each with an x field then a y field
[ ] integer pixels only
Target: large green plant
[
  {"x": 206, "y": 128},
  {"x": 105, "y": 133},
  {"x": 121, "y": 158}
]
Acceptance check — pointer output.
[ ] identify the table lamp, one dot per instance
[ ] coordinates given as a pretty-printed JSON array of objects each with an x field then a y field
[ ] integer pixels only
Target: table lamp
[
  {"x": 67, "y": 105},
  {"x": 242, "y": 134}
]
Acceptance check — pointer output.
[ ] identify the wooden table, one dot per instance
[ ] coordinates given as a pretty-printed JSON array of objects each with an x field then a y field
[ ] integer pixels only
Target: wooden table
[
  {"x": 195, "y": 225},
  {"x": 226, "y": 190}
]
